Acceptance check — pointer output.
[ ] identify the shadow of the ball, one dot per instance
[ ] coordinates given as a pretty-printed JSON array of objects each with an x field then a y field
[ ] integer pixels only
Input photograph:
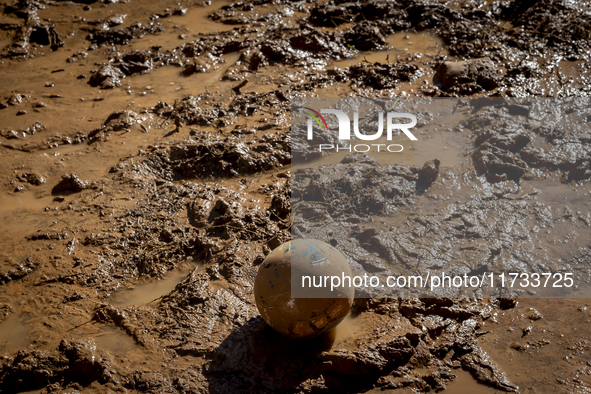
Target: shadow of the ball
[{"x": 319, "y": 343}]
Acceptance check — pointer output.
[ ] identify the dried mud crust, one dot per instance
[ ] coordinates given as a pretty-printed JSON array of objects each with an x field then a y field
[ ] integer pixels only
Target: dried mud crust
[{"x": 212, "y": 188}]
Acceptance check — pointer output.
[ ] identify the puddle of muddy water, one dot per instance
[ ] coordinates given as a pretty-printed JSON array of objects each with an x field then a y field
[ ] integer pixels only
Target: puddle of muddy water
[
  {"x": 558, "y": 196},
  {"x": 399, "y": 44},
  {"x": 12, "y": 336},
  {"x": 145, "y": 293},
  {"x": 114, "y": 340},
  {"x": 464, "y": 383},
  {"x": 21, "y": 214},
  {"x": 5, "y": 42},
  {"x": 194, "y": 23},
  {"x": 556, "y": 347},
  {"x": 166, "y": 83}
]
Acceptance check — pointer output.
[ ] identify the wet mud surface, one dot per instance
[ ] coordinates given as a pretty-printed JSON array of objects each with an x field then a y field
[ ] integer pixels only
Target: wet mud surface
[{"x": 146, "y": 173}]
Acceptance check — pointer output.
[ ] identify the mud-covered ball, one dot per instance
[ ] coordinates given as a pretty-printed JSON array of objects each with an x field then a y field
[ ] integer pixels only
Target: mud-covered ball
[{"x": 313, "y": 309}]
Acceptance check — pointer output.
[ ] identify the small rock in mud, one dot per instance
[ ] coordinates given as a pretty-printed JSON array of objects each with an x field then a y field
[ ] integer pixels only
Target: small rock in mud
[
  {"x": 120, "y": 120},
  {"x": 116, "y": 20},
  {"x": 507, "y": 303},
  {"x": 474, "y": 71},
  {"x": 24, "y": 268},
  {"x": 197, "y": 66},
  {"x": 428, "y": 174},
  {"x": 106, "y": 77},
  {"x": 15, "y": 99},
  {"x": 33, "y": 179},
  {"x": 70, "y": 183},
  {"x": 77, "y": 56}
]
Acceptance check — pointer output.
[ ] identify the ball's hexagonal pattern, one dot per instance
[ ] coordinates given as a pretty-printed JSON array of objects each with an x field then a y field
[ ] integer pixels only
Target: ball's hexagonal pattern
[{"x": 301, "y": 317}]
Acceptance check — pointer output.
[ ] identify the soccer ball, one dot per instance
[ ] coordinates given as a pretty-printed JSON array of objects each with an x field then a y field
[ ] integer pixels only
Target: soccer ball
[{"x": 303, "y": 264}]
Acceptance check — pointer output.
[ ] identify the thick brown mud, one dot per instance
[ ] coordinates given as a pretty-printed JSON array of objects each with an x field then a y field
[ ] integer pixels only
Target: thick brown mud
[{"x": 146, "y": 173}]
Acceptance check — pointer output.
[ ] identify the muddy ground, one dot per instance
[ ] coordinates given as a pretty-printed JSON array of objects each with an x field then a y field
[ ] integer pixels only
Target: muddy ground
[{"x": 146, "y": 173}]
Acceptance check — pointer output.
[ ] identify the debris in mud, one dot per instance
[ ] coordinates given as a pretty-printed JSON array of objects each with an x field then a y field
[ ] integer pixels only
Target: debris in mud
[
  {"x": 380, "y": 194},
  {"x": 32, "y": 31},
  {"x": 383, "y": 76},
  {"x": 428, "y": 174},
  {"x": 197, "y": 66},
  {"x": 485, "y": 370},
  {"x": 5, "y": 311},
  {"x": 421, "y": 340},
  {"x": 122, "y": 36},
  {"x": 85, "y": 364},
  {"x": 32, "y": 178},
  {"x": 70, "y": 183},
  {"x": 31, "y": 370},
  {"x": 77, "y": 56},
  {"x": 136, "y": 62},
  {"x": 13, "y": 134},
  {"x": 106, "y": 77},
  {"x": 24, "y": 268},
  {"x": 117, "y": 121},
  {"x": 504, "y": 145},
  {"x": 507, "y": 303},
  {"x": 120, "y": 120},
  {"x": 388, "y": 15},
  {"x": 314, "y": 40},
  {"x": 499, "y": 140},
  {"x": 366, "y": 36},
  {"x": 14, "y": 99}
]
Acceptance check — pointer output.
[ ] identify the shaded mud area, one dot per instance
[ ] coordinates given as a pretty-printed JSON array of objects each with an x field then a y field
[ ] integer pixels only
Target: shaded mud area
[{"x": 147, "y": 173}]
